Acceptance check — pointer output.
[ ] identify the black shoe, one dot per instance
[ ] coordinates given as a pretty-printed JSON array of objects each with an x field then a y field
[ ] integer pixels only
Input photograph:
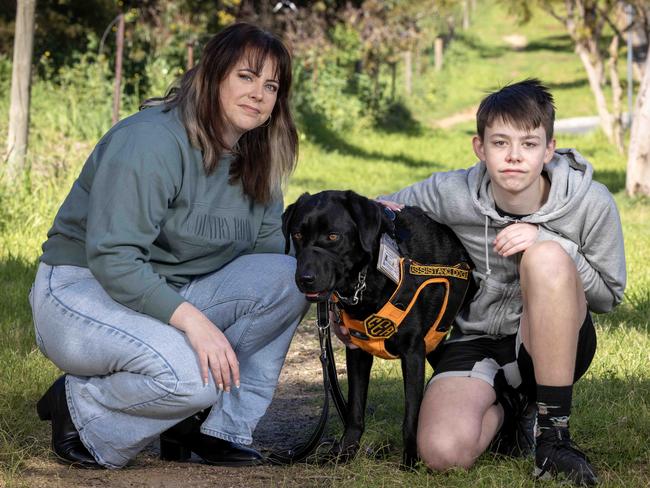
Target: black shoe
[
  {"x": 556, "y": 454},
  {"x": 516, "y": 438},
  {"x": 66, "y": 443},
  {"x": 179, "y": 442},
  {"x": 189, "y": 426}
]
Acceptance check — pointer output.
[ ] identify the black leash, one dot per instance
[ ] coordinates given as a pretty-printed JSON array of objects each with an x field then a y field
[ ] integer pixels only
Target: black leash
[{"x": 331, "y": 386}]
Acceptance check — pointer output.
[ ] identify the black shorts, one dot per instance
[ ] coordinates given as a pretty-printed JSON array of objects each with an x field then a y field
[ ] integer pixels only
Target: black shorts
[{"x": 504, "y": 361}]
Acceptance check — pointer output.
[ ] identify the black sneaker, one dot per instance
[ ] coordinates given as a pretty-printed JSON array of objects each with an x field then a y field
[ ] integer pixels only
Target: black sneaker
[
  {"x": 557, "y": 455},
  {"x": 516, "y": 438}
]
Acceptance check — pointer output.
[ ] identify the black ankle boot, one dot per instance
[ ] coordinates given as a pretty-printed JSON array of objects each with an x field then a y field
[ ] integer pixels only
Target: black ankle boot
[
  {"x": 66, "y": 443},
  {"x": 179, "y": 442}
]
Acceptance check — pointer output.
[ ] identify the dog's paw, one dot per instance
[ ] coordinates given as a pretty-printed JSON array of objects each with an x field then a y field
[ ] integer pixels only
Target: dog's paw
[
  {"x": 340, "y": 453},
  {"x": 409, "y": 462}
]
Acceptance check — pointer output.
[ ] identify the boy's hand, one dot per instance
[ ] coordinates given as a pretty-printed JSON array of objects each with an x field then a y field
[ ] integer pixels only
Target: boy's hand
[
  {"x": 341, "y": 331},
  {"x": 394, "y": 206},
  {"x": 515, "y": 238}
]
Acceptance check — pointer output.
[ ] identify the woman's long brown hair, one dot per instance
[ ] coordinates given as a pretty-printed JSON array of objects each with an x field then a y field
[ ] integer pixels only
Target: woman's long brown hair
[{"x": 266, "y": 155}]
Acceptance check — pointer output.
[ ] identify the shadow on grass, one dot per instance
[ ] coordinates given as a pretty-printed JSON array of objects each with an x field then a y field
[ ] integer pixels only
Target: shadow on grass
[
  {"x": 561, "y": 42},
  {"x": 579, "y": 83},
  {"x": 329, "y": 140},
  {"x": 633, "y": 313},
  {"x": 483, "y": 50},
  {"x": 398, "y": 119}
]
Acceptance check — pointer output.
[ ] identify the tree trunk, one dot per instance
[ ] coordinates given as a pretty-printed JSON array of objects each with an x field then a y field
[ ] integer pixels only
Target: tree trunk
[
  {"x": 20, "y": 89},
  {"x": 586, "y": 47},
  {"x": 117, "y": 90},
  {"x": 594, "y": 70},
  {"x": 617, "y": 95},
  {"x": 638, "y": 165}
]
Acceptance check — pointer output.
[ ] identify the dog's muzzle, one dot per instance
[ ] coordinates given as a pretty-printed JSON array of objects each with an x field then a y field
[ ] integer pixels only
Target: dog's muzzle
[{"x": 316, "y": 273}]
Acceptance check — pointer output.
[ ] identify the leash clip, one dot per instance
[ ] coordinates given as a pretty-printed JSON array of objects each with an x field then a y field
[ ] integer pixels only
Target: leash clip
[
  {"x": 322, "y": 315},
  {"x": 358, "y": 289}
]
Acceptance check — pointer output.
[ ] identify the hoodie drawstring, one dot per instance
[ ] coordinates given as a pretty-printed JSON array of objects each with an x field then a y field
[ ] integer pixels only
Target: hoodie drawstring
[{"x": 487, "y": 255}]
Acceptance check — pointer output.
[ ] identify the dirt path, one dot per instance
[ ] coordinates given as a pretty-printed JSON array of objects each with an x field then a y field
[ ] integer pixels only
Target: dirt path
[
  {"x": 465, "y": 115},
  {"x": 290, "y": 419},
  {"x": 516, "y": 42}
]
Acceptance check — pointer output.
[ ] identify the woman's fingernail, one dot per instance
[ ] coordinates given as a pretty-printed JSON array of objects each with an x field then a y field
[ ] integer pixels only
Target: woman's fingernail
[
  {"x": 237, "y": 384},
  {"x": 220, "y": 386}
]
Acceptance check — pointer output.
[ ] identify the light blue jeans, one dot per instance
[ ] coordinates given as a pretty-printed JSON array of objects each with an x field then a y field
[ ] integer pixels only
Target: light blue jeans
[{"x": 131, "y": 377}]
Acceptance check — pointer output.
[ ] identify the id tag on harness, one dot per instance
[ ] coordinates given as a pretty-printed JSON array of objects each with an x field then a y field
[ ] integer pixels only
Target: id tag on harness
[{"x": 388, "y": 261}]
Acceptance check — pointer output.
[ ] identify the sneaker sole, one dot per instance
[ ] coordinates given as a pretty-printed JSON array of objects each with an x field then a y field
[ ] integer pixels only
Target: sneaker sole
[{"x": 540, "y": 474}]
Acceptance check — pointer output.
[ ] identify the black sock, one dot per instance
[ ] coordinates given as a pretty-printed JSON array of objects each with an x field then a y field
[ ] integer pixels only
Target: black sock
[{"x": 553, "y": 406}]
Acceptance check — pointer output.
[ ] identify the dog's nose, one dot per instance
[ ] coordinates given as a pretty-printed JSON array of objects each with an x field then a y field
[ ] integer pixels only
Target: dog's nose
[{"x": 307, "y": 279}]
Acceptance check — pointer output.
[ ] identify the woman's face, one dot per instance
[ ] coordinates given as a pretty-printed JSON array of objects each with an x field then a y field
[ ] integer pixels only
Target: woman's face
[{"x": 247, "y": 98}]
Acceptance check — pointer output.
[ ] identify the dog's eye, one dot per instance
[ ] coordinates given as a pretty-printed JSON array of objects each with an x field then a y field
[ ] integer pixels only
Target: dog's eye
[
  {"x": 297, "y": 236},
  {"x": 332, "y": 236}
]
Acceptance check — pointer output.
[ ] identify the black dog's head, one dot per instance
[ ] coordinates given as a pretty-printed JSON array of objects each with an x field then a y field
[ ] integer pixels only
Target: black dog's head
[{"x": 334, "y": 233}]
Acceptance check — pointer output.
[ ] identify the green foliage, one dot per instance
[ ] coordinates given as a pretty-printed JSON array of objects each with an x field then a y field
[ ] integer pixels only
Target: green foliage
[
  {"x": 80, "y": 86},
  {"x": 332, "y": 91},
  {"x": 323, "y": 97},
  {"x": 5, "y": 73}
]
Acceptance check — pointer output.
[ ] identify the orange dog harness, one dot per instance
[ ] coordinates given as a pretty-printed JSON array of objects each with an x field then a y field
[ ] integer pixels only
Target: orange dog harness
[{"x": 370, "y": 334}]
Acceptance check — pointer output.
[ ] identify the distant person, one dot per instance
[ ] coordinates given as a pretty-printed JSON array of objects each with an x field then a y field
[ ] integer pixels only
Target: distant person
[
  {"x": 163, "y": 289},
  {"x": 547, "y": 244}
]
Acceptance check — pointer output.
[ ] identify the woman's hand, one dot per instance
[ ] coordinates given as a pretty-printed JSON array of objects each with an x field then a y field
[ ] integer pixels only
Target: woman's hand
[
  {"x": 515, "y": 238},
  {"x": 340, "y": 330},
  {"x": 210, "y": 344}
]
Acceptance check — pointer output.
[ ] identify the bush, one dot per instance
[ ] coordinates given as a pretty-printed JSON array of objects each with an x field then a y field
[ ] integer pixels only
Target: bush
[
  {"x": 5, "y": 74},
  {"x": 325, "y": 95}
]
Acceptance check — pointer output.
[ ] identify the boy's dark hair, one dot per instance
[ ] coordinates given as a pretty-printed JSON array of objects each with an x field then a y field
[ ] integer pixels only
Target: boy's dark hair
[{"x": 526, "y": 105}]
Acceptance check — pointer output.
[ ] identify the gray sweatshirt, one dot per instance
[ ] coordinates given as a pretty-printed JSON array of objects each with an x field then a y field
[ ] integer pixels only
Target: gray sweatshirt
[
  {"x": 580, "y": 214},
  {"x": 145, "y": 218}
]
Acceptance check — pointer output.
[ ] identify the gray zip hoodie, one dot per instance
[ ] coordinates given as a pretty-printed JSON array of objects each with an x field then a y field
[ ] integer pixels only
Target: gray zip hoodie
[{"x": 579, "y": 214}]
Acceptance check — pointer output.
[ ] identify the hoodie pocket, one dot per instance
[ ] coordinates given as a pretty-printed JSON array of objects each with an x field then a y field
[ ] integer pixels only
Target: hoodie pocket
[{"x": 496, "y": 307}]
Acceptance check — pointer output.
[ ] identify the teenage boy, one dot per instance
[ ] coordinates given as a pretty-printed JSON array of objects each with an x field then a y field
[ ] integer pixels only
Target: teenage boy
[{"x": 547, "y": 244}]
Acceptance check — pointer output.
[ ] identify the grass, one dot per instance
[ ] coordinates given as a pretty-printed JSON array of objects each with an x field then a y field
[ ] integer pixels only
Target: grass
[{"x": 611, "y": 414}]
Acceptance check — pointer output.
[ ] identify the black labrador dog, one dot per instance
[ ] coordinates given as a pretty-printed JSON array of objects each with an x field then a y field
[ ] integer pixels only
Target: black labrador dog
[{"x": 336, "y": 236}]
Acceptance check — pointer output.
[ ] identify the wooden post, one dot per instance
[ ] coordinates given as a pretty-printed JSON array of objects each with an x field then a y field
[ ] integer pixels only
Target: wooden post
[
  {"x": 117, "y": 92},
  {"x": 438, "y": 47},
  {"x": 465, "y": 15},
  {"x": 190, "y": 54},
  {"x": 20, "y": 89}
]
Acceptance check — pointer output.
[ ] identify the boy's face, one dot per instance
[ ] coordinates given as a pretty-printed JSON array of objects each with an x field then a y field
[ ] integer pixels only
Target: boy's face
[{"x": 514, "y": 158}]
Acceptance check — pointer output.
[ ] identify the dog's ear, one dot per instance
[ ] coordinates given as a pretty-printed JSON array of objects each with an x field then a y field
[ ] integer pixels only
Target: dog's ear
[
  {"x": 368, "y": 216},
  {"x": 286, "y": 221}
]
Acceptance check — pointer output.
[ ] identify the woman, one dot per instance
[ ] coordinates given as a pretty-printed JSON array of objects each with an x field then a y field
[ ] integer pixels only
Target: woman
[{"x": 162, "y": 289}]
